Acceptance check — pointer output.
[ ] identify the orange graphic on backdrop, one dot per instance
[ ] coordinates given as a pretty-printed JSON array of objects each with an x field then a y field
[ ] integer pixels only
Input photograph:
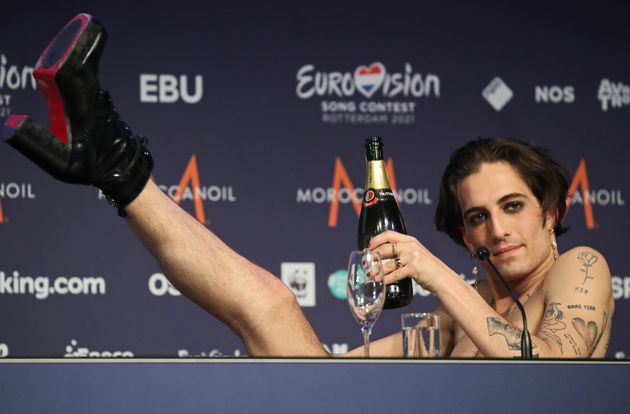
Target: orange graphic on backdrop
[
  {"x": 191, "y": 175},
  {"x": 340, "y": 177},
  {"x": 581, "y": 179}
]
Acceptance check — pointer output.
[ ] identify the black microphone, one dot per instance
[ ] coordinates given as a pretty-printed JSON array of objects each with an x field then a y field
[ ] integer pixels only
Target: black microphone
[{"x": 526, "y": 343}]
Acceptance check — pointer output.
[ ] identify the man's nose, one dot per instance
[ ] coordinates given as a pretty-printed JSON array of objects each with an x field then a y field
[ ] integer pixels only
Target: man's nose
[{"x": 498, "y": 228}]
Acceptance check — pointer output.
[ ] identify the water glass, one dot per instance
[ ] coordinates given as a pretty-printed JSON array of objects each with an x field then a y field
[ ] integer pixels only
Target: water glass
[{"x": 421, "y": 335}]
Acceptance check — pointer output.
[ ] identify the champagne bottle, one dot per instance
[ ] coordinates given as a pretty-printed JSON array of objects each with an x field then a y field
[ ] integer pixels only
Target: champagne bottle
[{"x": 380, "y": 212}]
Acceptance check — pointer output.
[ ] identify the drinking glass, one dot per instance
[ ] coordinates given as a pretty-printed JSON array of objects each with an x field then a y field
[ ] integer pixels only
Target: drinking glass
[
  {"x": 366, "y": 295},
  {"x": 421, "y": 335}
]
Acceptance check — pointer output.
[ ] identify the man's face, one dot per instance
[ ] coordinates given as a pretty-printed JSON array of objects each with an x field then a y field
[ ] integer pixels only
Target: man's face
[{"x": 500, "y": 212}]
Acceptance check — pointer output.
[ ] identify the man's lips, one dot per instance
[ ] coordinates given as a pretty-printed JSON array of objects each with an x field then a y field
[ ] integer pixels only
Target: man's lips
[{"x": 506, "y": 251}]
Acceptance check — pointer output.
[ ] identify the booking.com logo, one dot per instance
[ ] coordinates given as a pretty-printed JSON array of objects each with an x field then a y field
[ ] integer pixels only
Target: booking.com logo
[{"x": 41, "y": 286}]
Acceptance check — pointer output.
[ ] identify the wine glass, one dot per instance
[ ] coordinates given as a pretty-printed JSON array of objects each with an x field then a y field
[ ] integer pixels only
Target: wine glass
[{"x": 366, "y": 296}]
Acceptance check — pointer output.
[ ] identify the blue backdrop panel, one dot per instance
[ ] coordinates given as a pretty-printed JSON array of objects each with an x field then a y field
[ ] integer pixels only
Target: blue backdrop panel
[{"x": 267, "y": 105}]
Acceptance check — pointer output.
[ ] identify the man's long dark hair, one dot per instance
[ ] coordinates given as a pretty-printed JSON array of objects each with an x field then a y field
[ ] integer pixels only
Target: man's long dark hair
[{"x": 547, "y": 179}]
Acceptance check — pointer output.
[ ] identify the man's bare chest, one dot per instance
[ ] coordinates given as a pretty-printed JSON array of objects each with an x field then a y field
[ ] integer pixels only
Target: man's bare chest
[{"x": 464, "y": 347}]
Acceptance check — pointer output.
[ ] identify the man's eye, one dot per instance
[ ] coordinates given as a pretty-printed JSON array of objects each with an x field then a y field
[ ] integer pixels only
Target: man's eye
[
  {"x": 513, "y": 206},
  {"x": 476, "y": 218}
]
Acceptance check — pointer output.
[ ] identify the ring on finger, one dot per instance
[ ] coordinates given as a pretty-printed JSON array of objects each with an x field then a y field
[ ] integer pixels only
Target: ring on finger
[
  {"x": 398, "y": 263},
  {"x": 394, "y": 250}
]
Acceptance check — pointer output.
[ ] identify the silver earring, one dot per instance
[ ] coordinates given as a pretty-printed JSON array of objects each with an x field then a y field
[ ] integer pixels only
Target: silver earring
[
  {"x": 554, "y": 245},
  {"x": 475, "y": 273}
]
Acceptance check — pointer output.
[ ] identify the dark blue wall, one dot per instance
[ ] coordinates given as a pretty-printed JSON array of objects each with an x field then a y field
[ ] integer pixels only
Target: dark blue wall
[{"x": 266, "y": 154}]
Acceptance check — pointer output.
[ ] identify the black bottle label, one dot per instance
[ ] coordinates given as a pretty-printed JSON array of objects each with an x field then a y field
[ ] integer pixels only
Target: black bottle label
[{"x": 373, "y": 197}]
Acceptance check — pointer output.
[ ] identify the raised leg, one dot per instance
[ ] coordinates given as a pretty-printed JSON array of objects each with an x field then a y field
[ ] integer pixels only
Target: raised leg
[
  {"x": 90, "y": 144},
  {"x": 255, "y": 304}
]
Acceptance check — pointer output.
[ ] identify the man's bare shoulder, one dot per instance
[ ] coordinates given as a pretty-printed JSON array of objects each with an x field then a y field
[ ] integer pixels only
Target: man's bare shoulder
[
  {"x": 582, "y": 270},
  {"x": 578, "y": 305}
]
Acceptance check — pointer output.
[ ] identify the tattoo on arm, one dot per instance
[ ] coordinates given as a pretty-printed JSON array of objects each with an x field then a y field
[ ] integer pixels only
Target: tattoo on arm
[
  {"x": 582, "y": 306},
  {"x": 511, "y": 334},
  {"x": 552, "y": 323},
  {"x": 589, "y": 332},
  {"x": 604, "y": 324},
  {"x": 588, "y": 259},
  {"x": 576, "y": 350}
]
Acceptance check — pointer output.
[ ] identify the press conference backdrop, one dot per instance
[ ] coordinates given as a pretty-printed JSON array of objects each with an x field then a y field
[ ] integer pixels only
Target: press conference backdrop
[{"x": 256, "y": 111}]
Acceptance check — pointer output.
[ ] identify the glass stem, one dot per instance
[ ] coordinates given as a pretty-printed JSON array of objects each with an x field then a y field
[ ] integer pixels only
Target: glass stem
[{"x": 366, "y": 341}]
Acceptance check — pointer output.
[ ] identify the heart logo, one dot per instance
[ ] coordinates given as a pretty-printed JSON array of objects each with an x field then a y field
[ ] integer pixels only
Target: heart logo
[{"x": 369, "y": 79}]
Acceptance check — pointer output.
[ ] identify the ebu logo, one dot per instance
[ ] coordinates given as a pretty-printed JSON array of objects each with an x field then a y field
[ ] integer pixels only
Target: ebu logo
[{"x": 156, "y": 88}]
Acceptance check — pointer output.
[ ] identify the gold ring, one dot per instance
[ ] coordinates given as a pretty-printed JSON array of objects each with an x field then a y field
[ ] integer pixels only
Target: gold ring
[
  {"x": 394, "y": 250},
  {"x": 398, "y": 263}
]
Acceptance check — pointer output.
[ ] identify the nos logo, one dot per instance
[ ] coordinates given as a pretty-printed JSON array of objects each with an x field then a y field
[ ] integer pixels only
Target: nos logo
[{"x": 555, "y": 94}]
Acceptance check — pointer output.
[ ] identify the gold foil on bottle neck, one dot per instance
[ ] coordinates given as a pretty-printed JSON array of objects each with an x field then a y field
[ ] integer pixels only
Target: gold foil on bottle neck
[{"x": 376, "y": 175}]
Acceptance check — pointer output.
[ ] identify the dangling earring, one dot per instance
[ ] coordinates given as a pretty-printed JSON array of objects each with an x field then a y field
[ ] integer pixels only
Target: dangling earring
[
  {"x": 554, "y": 245},
  {"x": 475, "y": 272}
]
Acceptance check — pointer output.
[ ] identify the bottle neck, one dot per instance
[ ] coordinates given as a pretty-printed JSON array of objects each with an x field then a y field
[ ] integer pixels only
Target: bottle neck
[
  {"x": 376, "y": 175},
  {"x": 374, "y": 152}
]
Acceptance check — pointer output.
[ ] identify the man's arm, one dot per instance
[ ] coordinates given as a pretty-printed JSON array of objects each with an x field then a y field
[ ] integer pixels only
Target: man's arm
[
  {"x": 578, "y": 306},
  {"x": 579, "y": 278},
  {"x": 459, "y": 300},
  {"x": 577, "y": 318}
]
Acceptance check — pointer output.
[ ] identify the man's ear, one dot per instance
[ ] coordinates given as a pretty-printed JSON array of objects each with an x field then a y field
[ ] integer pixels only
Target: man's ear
[
  {"x": 466, "y": 240},
  {"x": 551, "y": 218}
]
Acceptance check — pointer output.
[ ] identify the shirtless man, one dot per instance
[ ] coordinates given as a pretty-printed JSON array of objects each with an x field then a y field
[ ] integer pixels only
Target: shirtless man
[
  {"x": 486, "y": 199},
  {"x": 510, "y": 197}
]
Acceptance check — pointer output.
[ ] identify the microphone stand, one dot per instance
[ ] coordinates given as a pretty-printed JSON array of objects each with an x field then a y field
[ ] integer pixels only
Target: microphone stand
[{"x": 526, "y": 343}]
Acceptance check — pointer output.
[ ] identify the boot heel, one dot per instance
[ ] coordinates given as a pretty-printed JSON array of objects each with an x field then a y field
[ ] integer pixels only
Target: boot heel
[
  {"x": 89, "y": 143},
  {"x": 67, "y": 73}
]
